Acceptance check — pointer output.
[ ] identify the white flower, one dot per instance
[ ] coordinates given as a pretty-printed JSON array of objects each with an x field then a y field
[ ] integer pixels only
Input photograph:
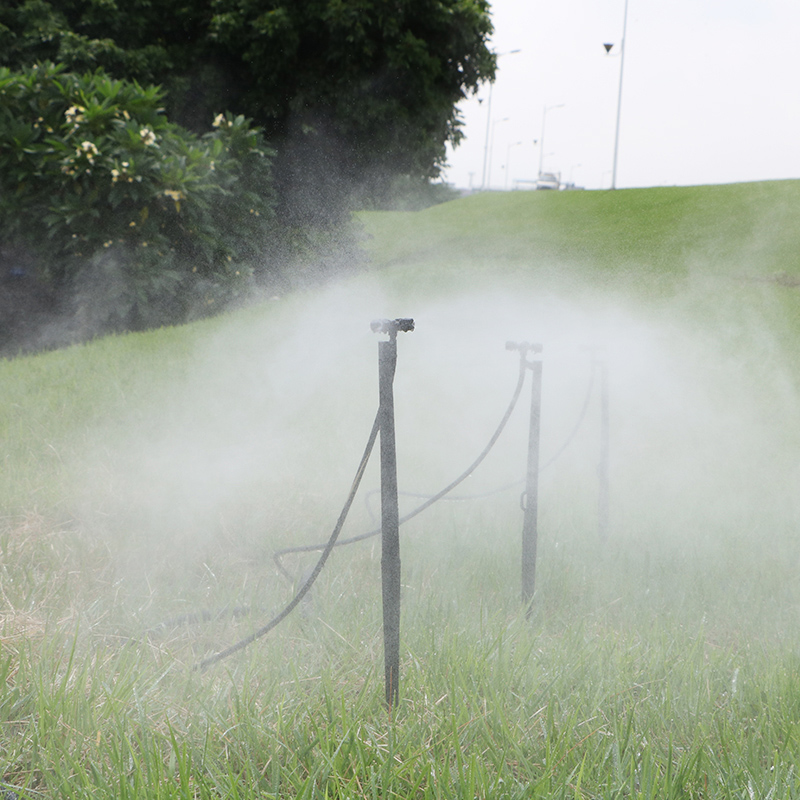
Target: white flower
[
  {"x": 88, "y": 149},
  {"x": 148, "y": 137},
  {"x": 74, "y": 114}
]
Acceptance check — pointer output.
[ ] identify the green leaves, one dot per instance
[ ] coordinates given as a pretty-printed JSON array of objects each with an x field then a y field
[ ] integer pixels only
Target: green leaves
[
  {"x": 91, "y": 168},
  {"x": 378, "y": 80}
]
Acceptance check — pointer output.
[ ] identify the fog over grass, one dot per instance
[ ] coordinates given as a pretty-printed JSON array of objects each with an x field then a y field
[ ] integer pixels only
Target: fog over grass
[
  {"x": 153, "y": 475},
  {"x": 253, "y": 446},
  {"x": 251, "y": 434}
]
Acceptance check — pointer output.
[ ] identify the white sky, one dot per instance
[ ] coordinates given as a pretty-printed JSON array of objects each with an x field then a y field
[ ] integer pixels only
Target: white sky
[{"x": 711, "y": 93}]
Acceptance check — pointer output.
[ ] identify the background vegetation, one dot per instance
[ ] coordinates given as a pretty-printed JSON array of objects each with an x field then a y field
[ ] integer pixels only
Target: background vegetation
[
  {"x": 128, "y": 206},
  {"x": 151, "y": 475},
  {"x": 143, "y": 220}
]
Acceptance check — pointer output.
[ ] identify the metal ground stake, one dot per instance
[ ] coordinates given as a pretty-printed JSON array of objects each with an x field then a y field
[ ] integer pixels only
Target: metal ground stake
[
  {"x": 390, "y": 518},
  {"x": 603, "y": 466},
  {"x": 530, "y": 499}
]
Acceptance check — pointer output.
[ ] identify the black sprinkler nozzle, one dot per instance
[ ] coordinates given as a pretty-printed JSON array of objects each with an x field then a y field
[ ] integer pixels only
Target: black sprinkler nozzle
[
  {"x": 392, "y": 326},
  {"x": 524, "y": 347}
]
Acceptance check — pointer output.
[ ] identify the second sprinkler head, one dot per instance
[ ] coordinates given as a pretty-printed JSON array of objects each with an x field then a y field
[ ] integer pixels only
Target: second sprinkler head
[
  {"x": 524, "y": 347},
  {"x": 392, "y": 326}
]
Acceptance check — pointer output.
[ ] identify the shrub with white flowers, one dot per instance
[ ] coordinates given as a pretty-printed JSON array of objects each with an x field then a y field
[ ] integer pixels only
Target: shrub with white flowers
[{"x": 92, "y": 174}]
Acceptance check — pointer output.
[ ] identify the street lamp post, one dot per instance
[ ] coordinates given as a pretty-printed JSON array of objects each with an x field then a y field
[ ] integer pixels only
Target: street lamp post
[
  {"x": 541, "y": 141},
  {"x": 491, "y": 149},
  {"x": 489, "y": 121},
  {"x": 488, "y": 129},
  {"x": 619, "y": 97},
  {"x": 508, "y": 161}
]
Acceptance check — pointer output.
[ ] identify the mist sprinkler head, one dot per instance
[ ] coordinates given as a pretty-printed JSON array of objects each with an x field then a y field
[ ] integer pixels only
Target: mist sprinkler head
[
  {"x": 392, "y": 326},
  {"x": 524, "y": 347}
]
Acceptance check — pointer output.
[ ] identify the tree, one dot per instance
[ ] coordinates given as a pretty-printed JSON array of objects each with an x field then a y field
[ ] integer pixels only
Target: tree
[{"x": 352, "y": 93}]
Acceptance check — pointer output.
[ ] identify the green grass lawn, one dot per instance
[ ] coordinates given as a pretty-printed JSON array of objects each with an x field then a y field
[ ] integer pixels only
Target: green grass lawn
[
  {"x": 151, "y": 476},
  {"x": 632, "y": 236}
]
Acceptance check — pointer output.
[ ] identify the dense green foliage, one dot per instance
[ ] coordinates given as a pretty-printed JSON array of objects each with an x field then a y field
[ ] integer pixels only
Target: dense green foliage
[
  {"x": 136, "y": 215},
  {"x": 351, "y": 92},
  {"x": 108, "y": 198}
]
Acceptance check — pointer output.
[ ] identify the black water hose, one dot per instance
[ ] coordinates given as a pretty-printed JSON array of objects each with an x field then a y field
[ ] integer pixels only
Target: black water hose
[
  {"x": 334, "y": 541},
  {"x": 576, "y": 427},
  {"x": 310, "y": 548},
  {"x": 304, "y": 589},
  {"x": 505, "y": 487}
]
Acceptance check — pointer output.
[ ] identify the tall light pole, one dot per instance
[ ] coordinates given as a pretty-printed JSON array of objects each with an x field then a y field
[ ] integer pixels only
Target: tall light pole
[
  {"x": 491, "y": 149},
  {"x": 488, "y": 129},
  {"x": 619, "y": 98},
  {"x": 541, "y": 141},
  {"x": 508, "y": 161},
  {"x": 489, "y": 122}
]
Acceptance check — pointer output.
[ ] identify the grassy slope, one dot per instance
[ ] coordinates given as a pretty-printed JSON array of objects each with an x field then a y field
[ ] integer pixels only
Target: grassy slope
[
  {"x": 646, "y": 672},
  {"x": 743, "y": 229}
]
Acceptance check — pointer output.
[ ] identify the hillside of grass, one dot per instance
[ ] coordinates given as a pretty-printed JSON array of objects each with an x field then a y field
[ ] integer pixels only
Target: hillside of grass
[
  {"x": 736, "y": 229},
  {"x": 149, "y": 478}
]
